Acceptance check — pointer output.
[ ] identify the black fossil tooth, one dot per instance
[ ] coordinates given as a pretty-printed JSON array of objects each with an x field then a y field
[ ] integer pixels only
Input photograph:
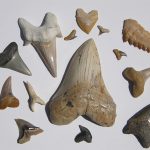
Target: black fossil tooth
[{"x": 84, "y": 135}]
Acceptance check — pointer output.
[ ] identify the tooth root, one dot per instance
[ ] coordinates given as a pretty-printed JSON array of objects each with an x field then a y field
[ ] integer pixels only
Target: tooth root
[
  {"x": 7, "y": 99},
  {"x": 47, "y": 53},
  {"x": 33, "y": 97},
  {"x": 26, "y": 130},
  {"x": 11, "y": 59},
  {"x": 82, "y": 91}
]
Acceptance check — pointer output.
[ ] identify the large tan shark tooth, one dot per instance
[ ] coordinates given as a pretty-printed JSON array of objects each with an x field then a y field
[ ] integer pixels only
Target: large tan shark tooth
[
  {"x": 43, "y": 39},
  {"x": 11, "y": 59},
  {"x": 136, "y": 35},
  {"x": 86, "y": 21},
  {"x": 7, "y": 99},
  {"x": 82, "y": 91},
  {"x": 26, "y": 130},
  {"x": 33, "y": 97}
]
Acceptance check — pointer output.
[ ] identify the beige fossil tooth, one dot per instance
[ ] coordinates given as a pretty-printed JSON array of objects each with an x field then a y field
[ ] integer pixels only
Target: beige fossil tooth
[
  {"x": 26, "y": 130},
  {"x": 7, "y": 99},
  {"x": 86, "y": 21},
  {"x": 119, "y": 53},
  {"x": 43, "y": 39},
  {"x": 136, "y": 80},
  {"x": 33, "y": 97},
  {"x": 102, "y": 30},
  {"x": 71, "y": 36},
  {"x": 136, "y": 35},
  {"x": 82, "y": 91}
]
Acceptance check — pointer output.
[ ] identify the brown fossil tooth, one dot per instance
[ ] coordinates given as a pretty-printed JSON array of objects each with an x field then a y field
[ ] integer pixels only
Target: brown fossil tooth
[
  {"x": 102, "y": 30},
  {"x": 135, "y": 34},
  {"x": 82, "y": 91},
  {"x": 119, "y": 54},
  {"x": 71, "y": 36},
  {"x": 139, "y": 126},
  {"x": 7, "y": 99},
  {"x": 86, "y": 21},
  {"x": 26, "y": 130}
]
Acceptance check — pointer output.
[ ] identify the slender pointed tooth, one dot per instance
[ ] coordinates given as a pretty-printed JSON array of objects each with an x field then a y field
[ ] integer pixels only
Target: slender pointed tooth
[
  {"x": 7, "y": 98},
  {"x": 11, "y": 59},
  {"x": 82, "y": 91},
  {"x": 71, "y": 36},
  {"x": 33, "y": 97},
  {"x": 47, "y": 53},
  {"x": 26, "y": 130},
  {"x": 43, "y": 39}
]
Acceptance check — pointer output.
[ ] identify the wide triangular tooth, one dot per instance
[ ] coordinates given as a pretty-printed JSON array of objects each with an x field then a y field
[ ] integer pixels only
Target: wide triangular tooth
[
  {"x": 26, "y": 130},
  {"x": 47, "y": 53},
  {"x": 11, "y": 59},
  {"x": 82, "y": 91},
  {"x": 33, "y": 97}
]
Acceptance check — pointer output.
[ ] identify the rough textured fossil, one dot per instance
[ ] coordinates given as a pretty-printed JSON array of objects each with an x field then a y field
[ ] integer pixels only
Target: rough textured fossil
[
  {"x": 84, "y": 135},
  {"x": 7, "y": 99},
  {"x": 119, "y": 53},
  {"x": 135, "y": 34},
  {"x": 43, "y": 39},
  {"x": 86, "y": 21},
  {"x": 102, "y": 30},
  {"x": 136, "y": 80},
  {"x": 139, "y": 126},
  {"x": 26, "y": 130},
  {"x": 71, "y": 36},
  {"x": 11, "y": 59},
  {"x": 33, "y": 97},
  {"x": 82, "y": 91}
]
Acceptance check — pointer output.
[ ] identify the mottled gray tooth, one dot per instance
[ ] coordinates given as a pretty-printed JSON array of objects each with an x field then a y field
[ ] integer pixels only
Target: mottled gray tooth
[
  {"x": 11, "y": 59},
  {"x": 84, "y": 135},
  {"x": 26, "y": 130},
  {"x": 33, "y": 97}
]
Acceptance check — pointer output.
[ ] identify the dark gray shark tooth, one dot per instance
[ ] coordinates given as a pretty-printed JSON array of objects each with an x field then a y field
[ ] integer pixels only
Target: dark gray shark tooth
[
  {"x": 139, "y": 126},
  {"x": 43, "y": 39},
  {"x": 84, "y": 135},
  {"x": 11, "y": 59},
  {"x": 26, "y": 130},
  {"x": 7, "y": 99}
]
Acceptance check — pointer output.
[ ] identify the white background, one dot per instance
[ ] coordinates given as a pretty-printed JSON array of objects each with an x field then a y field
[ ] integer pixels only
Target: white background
[{"x": 111, "y": 15}]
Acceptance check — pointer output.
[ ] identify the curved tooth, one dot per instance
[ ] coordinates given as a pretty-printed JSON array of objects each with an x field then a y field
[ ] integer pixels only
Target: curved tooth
[
  {"x": 135, "y": 34},
  {"x": 71, "y": 36},
  {"x": 82, "y": 91},
  {"x": 33, "y": 97},
  {"x": 26, "y": 130},
  {"x": 7, "y": 99},
  {"x": 43, "y": 39},
  {"x": 11, "y": 59}
]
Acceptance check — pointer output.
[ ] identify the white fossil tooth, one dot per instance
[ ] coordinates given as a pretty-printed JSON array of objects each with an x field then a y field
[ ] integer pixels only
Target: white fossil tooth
[
  {"x": 82, "y": 91},
  {"x": 43, "y": 39},
  {"x": 26, "y": 130},
  {"x": 11, "y": 59},
  {"x": 7, "y": 99},
  {"x": 33, "y": 97}
]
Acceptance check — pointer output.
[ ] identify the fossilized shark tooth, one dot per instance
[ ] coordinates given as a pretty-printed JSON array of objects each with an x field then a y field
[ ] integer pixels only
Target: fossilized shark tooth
[
  {"x": 71, "y": 36},
  {"x": 7, "y": 99},
  {"x": 26, "y": 130},
  {"x": 102, "y": 30},
  {"x": 86, "y": 21},
  {"x": 136, "y": 35},
  {"x": 33, "y": 97},
  {"x": 139, "y": 126},
  {"x": 119, "y": 54},
  {"x": 82, "y": 91},
  {"x": 11, "y": 59},
  {"x": 43, "y": 39},
  {"x": 84, "y": 135}
]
